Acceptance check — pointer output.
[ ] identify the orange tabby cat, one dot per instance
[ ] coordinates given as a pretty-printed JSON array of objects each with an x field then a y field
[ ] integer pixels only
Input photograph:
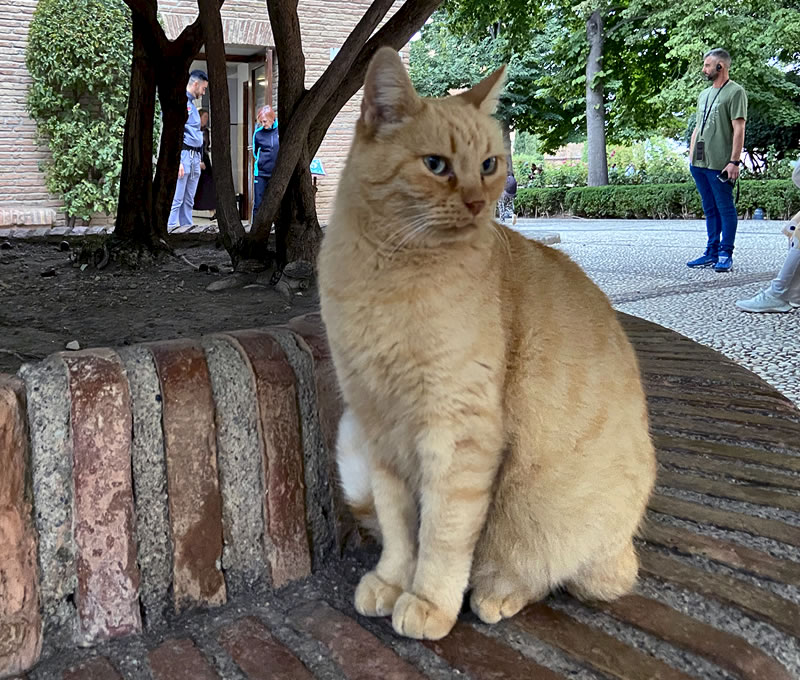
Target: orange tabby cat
[{"x": 496, "y": 422}]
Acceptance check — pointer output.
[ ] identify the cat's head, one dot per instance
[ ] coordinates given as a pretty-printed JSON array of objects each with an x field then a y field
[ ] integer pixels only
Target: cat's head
[{"x": 433, "y": 166}]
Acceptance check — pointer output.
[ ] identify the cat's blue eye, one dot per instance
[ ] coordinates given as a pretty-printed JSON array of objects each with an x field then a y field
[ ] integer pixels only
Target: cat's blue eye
[
  {"x": 436, "y": 164},
  {"x": 489, "y": 165}
]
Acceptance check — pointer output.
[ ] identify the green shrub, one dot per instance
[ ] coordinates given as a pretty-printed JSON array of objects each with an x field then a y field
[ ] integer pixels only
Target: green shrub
[
  {"x": 778, "y": 198},
  {"x": 537, "y": 202},
  {"x": 79, "y": 59}
]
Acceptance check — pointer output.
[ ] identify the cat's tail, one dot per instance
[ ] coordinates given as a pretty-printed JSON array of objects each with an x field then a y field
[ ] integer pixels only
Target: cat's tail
[{"x": 354, "y": 477}]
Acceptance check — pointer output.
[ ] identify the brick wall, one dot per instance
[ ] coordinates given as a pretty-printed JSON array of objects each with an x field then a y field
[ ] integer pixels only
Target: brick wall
[
  {"x": 325, "y": 24},
  {"x": 21, "y": 183}
]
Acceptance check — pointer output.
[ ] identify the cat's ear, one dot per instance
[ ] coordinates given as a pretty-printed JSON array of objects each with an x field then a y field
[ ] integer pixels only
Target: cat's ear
[
  {"x": 485, "y": 95},
  {"x": 389, "y": 96}
]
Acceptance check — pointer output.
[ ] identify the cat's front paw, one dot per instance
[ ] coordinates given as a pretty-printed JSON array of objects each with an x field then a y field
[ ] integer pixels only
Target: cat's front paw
[
  {"x": 420, "y": 619},
  {"x": 375, "y": 597}
]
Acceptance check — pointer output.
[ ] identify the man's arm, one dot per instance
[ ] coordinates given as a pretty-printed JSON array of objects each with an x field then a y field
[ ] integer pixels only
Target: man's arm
[
  {"x": 691, "y": 145},
  {"x": 738, "y": 145}
]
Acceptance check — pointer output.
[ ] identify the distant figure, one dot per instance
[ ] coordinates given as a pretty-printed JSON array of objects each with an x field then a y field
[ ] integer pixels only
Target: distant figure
[
  {"x": 505, "y": 206},
  {"x": 191, "y": 155},
  {"x": 206, "y": 196},
  {"x": 715, "y": 152},
  {"x": 630, "y": 171},
  {"x": 265, "y": 152}
]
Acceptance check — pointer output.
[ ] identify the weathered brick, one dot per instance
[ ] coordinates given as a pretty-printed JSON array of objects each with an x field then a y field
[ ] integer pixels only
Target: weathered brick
[
  {"x": 258, "y": 654},
  {"x": 195, "y": 505},
  {"x": 330, "y": 407},
  {"x": 286, "y": 542},
  {"x": 107, "y": 598},
  {"x": 357, "y": 651},
  {"x": 180, "y": 660},
  {"x": 329, "y": 399},
  {"x": 20, "y": 621},
  {"x": 481, "y": 656},
  {"x": 98, "y": 668}
]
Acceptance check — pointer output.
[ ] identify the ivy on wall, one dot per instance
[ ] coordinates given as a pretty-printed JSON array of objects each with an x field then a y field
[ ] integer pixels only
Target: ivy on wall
[{"x": 79, "y": 58}]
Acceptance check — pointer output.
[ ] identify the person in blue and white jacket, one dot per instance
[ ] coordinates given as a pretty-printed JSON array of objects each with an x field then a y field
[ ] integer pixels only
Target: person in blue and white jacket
[{"x": 265, "y": 152}]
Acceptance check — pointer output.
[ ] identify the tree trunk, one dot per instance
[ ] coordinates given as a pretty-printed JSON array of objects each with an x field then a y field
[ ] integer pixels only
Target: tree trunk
[
  {"x": 230, "y": 226},
  {"x": 163, "y": 66},
  {"x": 297, "y": 230},
  {"x": 135, "y": 220},
  {"x": 595, "y": 104},
  {"x": 305, "y": 115}
]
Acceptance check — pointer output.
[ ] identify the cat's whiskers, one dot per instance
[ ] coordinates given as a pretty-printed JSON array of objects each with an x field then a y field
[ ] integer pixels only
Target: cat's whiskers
[
  {"x": 416, "y": 231},
  {"x": 406, "y": 232},
  {"x": 501, "y": 236}
]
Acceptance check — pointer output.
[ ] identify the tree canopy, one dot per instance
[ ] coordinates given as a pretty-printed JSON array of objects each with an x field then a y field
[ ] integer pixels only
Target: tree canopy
[{"x": 650, "y": 65}]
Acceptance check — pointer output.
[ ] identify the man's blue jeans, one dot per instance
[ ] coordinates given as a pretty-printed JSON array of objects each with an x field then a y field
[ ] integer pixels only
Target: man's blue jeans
[
  {"x": 185, "y": 189},
  {"x": 719, "y": 209}
]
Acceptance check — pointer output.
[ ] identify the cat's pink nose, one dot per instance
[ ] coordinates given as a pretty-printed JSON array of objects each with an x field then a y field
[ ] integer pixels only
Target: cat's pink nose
[{"x": 475, "y": 206}]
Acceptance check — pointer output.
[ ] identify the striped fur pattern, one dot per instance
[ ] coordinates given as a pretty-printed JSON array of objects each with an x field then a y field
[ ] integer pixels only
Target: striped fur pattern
[{"x": 496, "y": 424}]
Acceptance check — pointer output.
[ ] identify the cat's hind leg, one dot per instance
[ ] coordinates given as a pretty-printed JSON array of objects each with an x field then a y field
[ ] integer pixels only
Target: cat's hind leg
[
  {"x": 497, "y": 595},
  {"x": 606, "y": 578},
  {"x": 352, "y": 460}
]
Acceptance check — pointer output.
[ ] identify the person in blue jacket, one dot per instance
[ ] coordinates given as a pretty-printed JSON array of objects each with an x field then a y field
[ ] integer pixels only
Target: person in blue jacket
[
  {"x": 265, "y": 152},
  {"x": 191, "y": 154}
]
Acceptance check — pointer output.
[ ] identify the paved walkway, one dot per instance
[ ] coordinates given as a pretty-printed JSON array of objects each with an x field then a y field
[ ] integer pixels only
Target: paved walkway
[{"x": 640, "y": 264}]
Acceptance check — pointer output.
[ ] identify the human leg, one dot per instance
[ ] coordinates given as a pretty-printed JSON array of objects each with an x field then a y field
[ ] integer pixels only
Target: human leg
[
  {"x": 192, "y": 179},
  {"x": 723, "y": 197},
  {"x": 786, "y": 285},
  {"x": 702, "y": 179},
  {"x": 180, "y": 191},
  {"x": 259, "y": 185}
]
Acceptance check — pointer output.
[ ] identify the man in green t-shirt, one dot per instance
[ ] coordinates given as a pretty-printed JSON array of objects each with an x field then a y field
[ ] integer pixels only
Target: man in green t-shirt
[{"x": 715, "y": 152}]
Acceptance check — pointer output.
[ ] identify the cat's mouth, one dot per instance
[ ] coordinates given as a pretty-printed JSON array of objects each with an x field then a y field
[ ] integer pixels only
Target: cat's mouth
[{"x": 461, "y": 228}]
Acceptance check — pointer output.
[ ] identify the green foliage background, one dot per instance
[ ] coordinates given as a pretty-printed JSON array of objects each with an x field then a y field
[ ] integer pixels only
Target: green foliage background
[{"x": 79, "y": 57}]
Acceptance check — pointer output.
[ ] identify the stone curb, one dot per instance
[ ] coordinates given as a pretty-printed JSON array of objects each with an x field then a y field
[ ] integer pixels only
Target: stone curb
[
  {"x": 20, "y": 622},
  {"x": 198, "y": 232},
  {"x": 43, "y": 234},
  {"x": 165, "y": 477}
]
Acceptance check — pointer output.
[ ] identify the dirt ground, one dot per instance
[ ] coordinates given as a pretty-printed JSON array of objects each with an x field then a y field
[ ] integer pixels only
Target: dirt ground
[{"x": 47, "y": 301}]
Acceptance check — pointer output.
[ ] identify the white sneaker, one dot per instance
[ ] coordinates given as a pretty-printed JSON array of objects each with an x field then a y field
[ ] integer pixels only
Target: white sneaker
[{"x": 764, "y": 302}]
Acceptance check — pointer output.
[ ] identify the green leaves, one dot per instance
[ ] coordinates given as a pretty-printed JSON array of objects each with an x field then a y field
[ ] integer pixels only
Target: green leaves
[{"x": 79, "y": 58}]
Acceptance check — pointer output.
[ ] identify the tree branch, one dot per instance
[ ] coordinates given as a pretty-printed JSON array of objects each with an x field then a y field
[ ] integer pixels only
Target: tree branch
[
  {"x": 289, "y": 48},
  {"x": 395, "y": 33},
  {"x": 298, "y": 106},
  {"x": 147, "y": 10}
]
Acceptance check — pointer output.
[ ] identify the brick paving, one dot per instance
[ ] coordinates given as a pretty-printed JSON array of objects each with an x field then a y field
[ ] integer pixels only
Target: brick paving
[{"x": 719, "y": 591}]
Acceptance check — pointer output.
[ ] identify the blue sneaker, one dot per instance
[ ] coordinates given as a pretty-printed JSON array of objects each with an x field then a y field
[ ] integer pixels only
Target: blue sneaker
[
  {"x": 724, "y": 264},
  {"x": 703, "y": 261}
]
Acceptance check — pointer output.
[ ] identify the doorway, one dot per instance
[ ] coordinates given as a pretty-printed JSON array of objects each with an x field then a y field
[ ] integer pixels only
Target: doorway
[{"x": 250, "y": 73}]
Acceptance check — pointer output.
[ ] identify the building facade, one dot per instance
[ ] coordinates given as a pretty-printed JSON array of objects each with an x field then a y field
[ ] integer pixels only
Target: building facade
[{"x": 253, "y": 71}]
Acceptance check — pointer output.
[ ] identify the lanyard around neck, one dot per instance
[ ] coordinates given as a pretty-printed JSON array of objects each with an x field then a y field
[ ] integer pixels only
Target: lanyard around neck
[{"x": 708, "y": 109}]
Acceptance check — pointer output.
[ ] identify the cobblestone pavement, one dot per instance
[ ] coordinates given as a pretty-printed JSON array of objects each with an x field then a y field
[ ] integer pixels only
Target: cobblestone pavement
[{"x": 641, "y": 265}]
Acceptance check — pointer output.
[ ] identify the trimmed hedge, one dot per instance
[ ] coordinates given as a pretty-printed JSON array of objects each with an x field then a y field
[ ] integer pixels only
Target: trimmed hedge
[
  {"x": 654, "y": 201},
  {"x": 540, "y": 202},
  {"x": 779, "y": 199}
]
